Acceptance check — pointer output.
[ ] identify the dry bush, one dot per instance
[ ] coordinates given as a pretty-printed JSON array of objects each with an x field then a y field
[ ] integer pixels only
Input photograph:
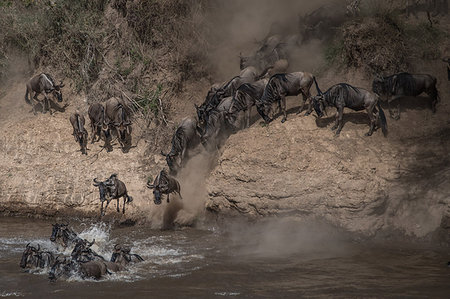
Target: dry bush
[{"x": 375, "y": 44}]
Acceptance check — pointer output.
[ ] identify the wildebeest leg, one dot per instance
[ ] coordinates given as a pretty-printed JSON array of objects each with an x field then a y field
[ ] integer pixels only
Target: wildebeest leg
[
  {"x": 124, "y": 200},
  {"x": 44, "y": 109},
  {"x": 283, "y": 106},
  {"x": 107, "y": 203},
  {"x": 247, "y": 116},
  {"x": 372, "y": 119},
  {"x": 117, "y": 206},
  {"x": 167, "y": 197},
  {"x": 433, "y": 94},
  {"x": 101, "y": 209},
  {"x": 339, "y": 123}
]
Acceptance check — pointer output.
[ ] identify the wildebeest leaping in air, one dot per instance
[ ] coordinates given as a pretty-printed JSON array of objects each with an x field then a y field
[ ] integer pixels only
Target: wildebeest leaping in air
[
  {"x": 405, "y": 84},
  {"x": 164, "y": 184},
  {"x": 344, "y": 95}
]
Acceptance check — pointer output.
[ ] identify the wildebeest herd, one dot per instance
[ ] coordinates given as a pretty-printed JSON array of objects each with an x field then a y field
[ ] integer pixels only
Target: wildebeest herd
[
  {"x": 83, "y": 261},
  {"x": 264, "y": 84}
]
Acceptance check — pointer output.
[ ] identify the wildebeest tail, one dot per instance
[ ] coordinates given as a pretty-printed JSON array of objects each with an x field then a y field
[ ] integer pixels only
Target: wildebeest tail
[
  {"x": 129, "y": 199},
  {"x": 317, "y": 86},
  {"x": 27, "y": 99},
  {"x": 382, "y": 119}
]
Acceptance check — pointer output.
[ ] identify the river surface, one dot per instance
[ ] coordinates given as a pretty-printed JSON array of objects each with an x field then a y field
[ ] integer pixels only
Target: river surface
[{"x": 275, "y": 259}]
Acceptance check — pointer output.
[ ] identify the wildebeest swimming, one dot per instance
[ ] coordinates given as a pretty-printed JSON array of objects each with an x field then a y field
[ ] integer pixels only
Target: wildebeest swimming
[
  {"x": 344, "y": 95},
  {"x": 82, "y": 252},
  {"x": 405, "y": 84},
  {"x": 99, "y": 124},
  {"x": 63, "y": 235},
  {"x": 43, "y": 84},
  {"x": 122, "y": 255},
  {"x": 79, "y": 132},
  {"x": 278, "y": 88},
  {"x": 110, "y": 189},
  {"x": 65, "y": 267},
  {"x": 164, "y": 184},
  {"x": 244, "y": 99},
  {"x": 185, "y": 139},
  {"x": 33, "y": 257},
  {"x": 118, "y": 117}
]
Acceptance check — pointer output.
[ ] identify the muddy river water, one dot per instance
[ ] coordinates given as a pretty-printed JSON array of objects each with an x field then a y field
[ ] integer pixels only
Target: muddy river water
[{"x": 273, "y": 260}]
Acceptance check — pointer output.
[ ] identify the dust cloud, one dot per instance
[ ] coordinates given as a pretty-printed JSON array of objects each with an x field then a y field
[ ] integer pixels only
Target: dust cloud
[
  {"x": 238, "y": 27},
  {"x": 283, "y": 237}
]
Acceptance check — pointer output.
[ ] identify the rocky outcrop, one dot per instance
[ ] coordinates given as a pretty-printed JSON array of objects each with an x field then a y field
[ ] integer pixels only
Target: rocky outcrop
[{"x": 363, "y": 184}]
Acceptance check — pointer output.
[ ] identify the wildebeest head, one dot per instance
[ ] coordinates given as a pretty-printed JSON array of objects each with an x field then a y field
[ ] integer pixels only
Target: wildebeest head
[
  {"x": 29, "y": 255},
  {"x": 103, "y": 188},
  {"x": 318, "y": 104},
  {"x": 57, "y": 231},
  {"x": 265, "y": 110},
  {"x": 122, "y": 255},
  {"x": 379, "y": 85},
  {"x": 56, "y": 92},
  {"x": 159, "y": 186},
  {"x": 82, "y": 250}
]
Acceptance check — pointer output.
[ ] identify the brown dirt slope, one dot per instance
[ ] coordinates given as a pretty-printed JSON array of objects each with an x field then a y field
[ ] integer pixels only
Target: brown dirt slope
[{"x": 363, "y": 184}]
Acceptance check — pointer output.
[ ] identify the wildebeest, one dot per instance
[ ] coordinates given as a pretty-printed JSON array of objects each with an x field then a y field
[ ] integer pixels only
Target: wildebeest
[
  {"x": 344, "y": 95},
  {"x": 405, "y": 84},
  {"x": 33, "y": 257},
  {"x": 82, "y": 252},
  {"x": 164, "y": 184},
  {"x": 279, "y": 87},
  {"x": 244, "y": 99},
  {"x": 217, "y": 126},
  {"x": 217, "y": 94},
  {"x": 122, "y": 256},
  {"x": 43, "y": 84},
  {"x": 185, "y": 139},
  {"x": 322, "y": 22},
  {"x": 63, "y": 235},
  {"x": 99, "y": 124},
  {"x": 79, "y": 132},
  {"x": 110, "y": 189},
  {"x": 67, "y": 267},
  {"x": 118, "y": 116}
]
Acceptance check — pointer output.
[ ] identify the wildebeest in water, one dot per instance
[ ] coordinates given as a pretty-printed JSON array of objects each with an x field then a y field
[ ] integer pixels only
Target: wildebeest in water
[
  {"x": 110, "y": 189},
  {"x": 122, "y": 255},
  {"x": 184, "y": 141},
  {"x": 344, "y": 95},
  {"x": 79, "y": 132},
  {"x": 164, "y": 184},
  {"x": 63, "y": 235},
  {"x": 33, "y": 257},
  {"x": 43, "y": 84},
  {"x": 405, "y": 84}
]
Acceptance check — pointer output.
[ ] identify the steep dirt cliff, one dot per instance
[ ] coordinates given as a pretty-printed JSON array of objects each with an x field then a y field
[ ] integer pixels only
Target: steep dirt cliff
[{"x": 364, "y": 184}]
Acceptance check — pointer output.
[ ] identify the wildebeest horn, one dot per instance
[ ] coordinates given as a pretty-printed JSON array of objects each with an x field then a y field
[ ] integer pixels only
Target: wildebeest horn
[
  {"x": 117, "y": 247},
  {"x": 28, "y": 245},
  {"x": 61, "y": 84},
  {"x": 91, "y": 243},
  {"x": 39, "y": 247},
  {"x": 150, "y": 186},
  {"x": 165, "y": 155}
]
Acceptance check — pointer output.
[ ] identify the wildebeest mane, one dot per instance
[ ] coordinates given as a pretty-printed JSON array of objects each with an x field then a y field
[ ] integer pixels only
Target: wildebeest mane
[
  {"x": 401, "y": 80},
  {"x": 341, "y": 90}
]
